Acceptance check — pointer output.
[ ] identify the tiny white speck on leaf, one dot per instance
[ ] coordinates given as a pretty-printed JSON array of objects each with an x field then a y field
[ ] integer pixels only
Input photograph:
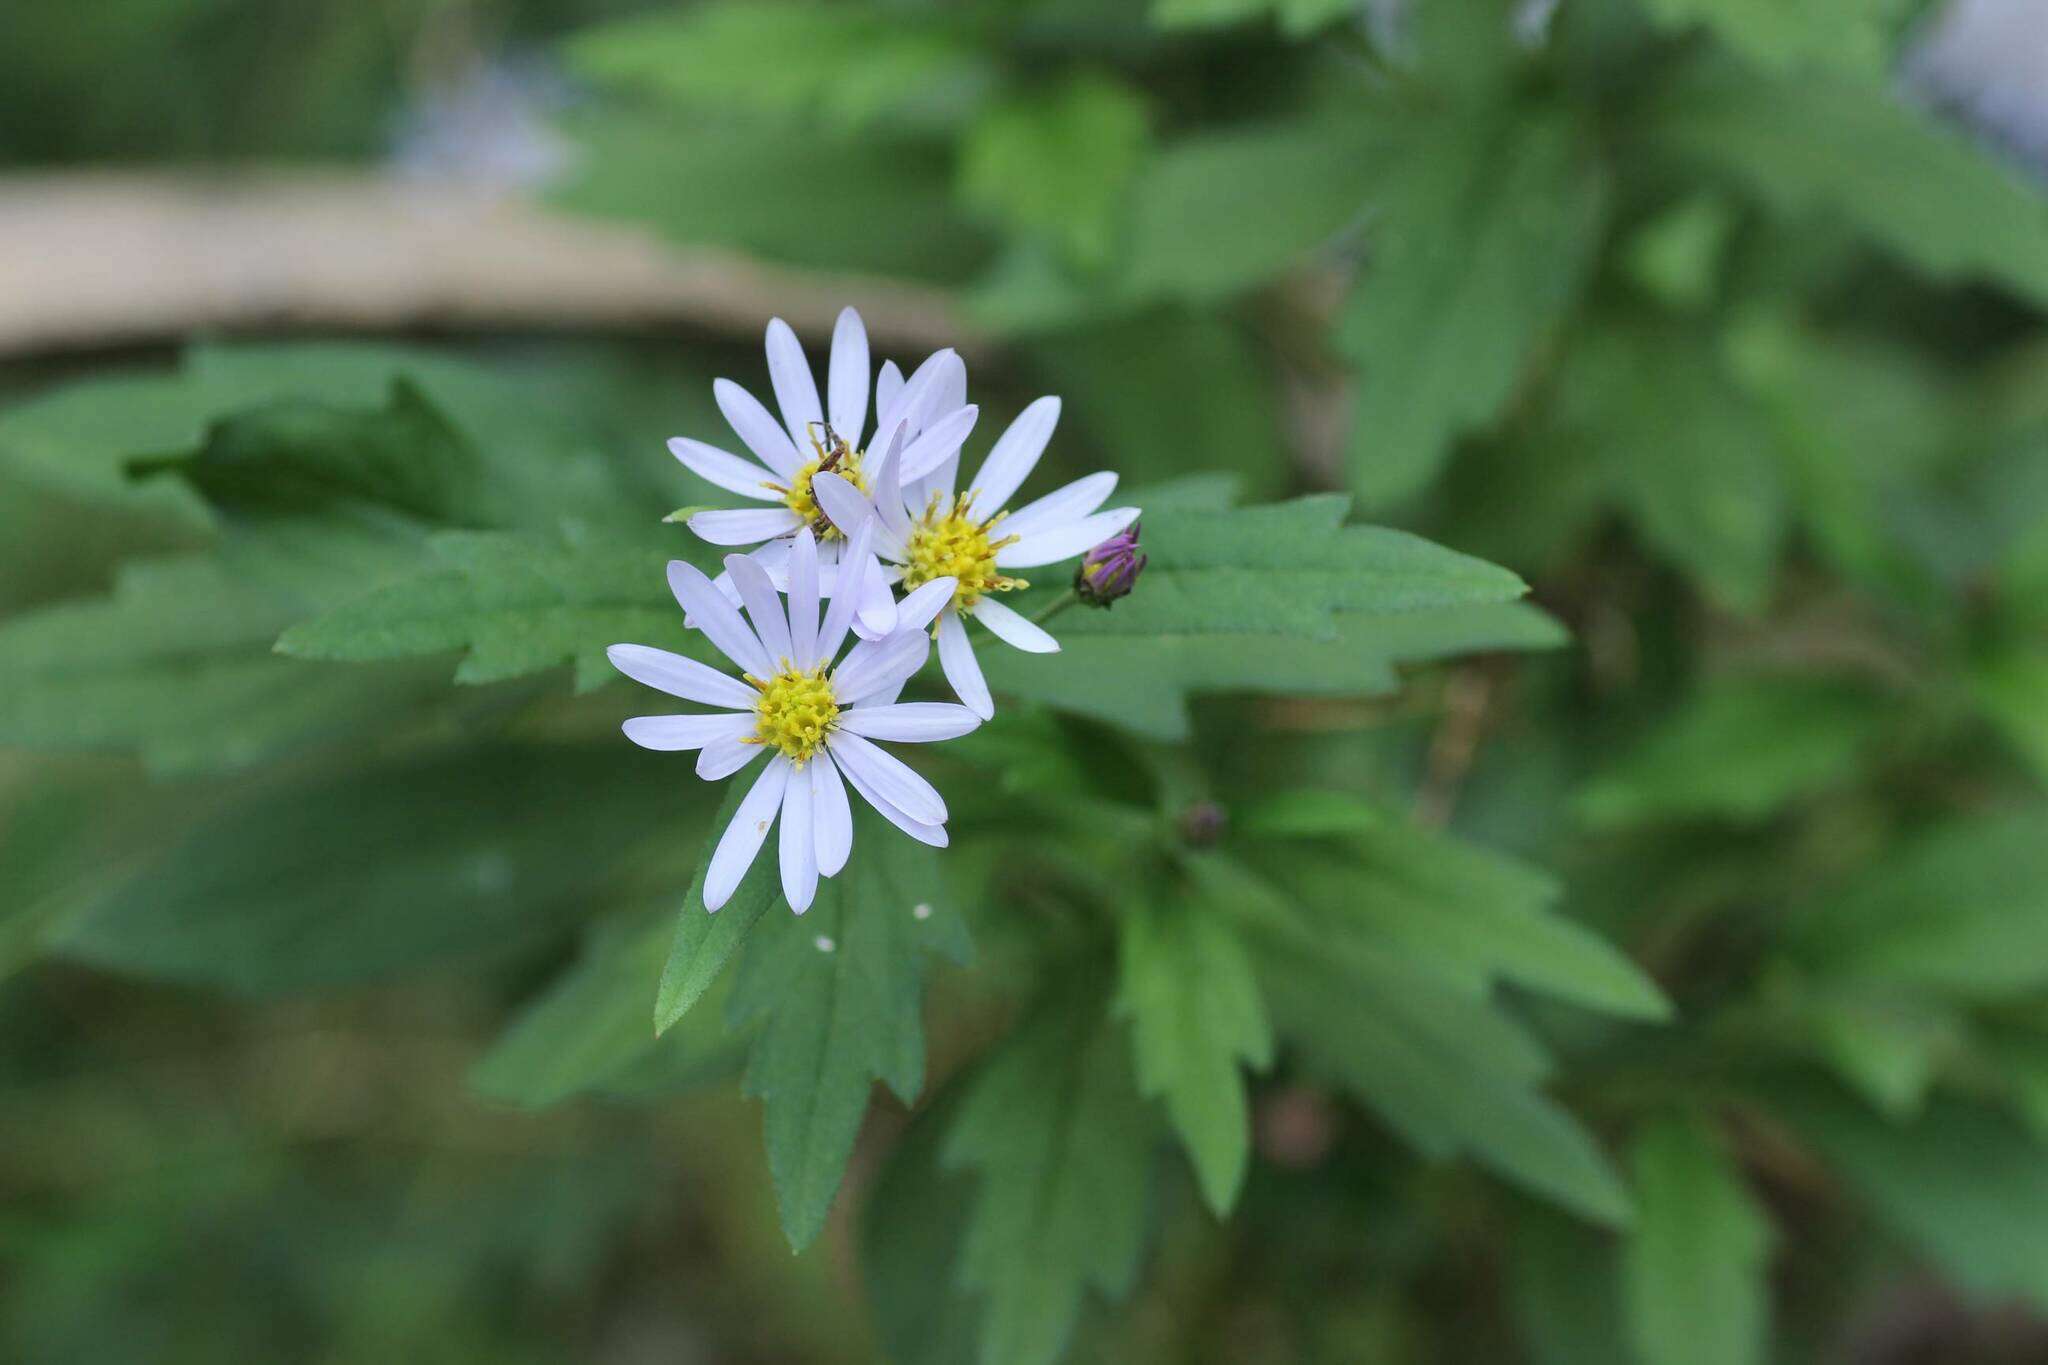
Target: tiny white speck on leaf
[
  {"x": 825, "y": 945},
  {"x": 921, "y": 911}
]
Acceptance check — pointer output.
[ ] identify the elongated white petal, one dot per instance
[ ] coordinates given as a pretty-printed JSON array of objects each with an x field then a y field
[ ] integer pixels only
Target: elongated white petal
[
  {"x": 802, "y": 598},
  {"x": 725, "y": 469},
  {"x": 799, "y": 848},
  {"x": 681, "y": 677},
  {"x": 855, "y": 563},
  {"x": 912, "y": 405},
  {"x": 1015, "y": 456},
  {"x": 756, "y": 428},
  {"x": 1066, "y": 504},
  {"x": 889, "y": 777},
  {"x": 717, "y": 618},
  {"x": 1013, "y": 629},
  {"x": 888, "y": 501},
  {"x": 1064, "y": 542},
  {"x": 764, "y": 608},
  {"x": 874, "y": 665},
  {"x": 920, "y": 607},
  {"x": 831, "y": 817},
  {"x": 721, "y": 758},
  {"x": 744, "y": 525},
  {"x": 937, "y": 443},
  {"x": 938, "y": 481},
  {"x": 673, "y": 733},
  {"x": 743, "y": 837},
  {"x": 935, "y": 835},
  {"x": 888, "y": 384},
  {"x": 910, "y": 722},
  {"x": 877, "y": 607},
  {"x": 956, "y": 657},
  {"x": 796, "y": 393},
  {"x": 846, "y": 505},
  {"x": 846, "y": 380}
]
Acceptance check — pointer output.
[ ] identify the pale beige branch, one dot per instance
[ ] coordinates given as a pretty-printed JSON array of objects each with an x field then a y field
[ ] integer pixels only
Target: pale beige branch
[{"x": 104, "y": 258}]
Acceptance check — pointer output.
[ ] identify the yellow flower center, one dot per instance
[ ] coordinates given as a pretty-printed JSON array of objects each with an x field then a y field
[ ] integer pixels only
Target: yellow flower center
[
  {"x": 795, "y": 713},
  {"x": 832, "y": 454},
  {"x": 951, "y": 543}
]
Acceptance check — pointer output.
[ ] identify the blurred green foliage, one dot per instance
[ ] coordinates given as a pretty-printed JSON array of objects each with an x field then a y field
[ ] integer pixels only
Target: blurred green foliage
[{"x": 1337, "y": 958}]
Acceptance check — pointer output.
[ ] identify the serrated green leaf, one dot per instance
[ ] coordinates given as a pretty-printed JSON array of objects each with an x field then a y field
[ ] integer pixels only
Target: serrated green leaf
[
  {"x": 1855, "y": 149},
  {"x": 1843, "y": 35},
  {"x": 1486, "y": 228},
  {"x": 1092, "y": 674},
  {"x": 1060, "y": 1140},
  {"x": 1056, "y": 164},
  {"x": 912, "y": 1225},
  {"x": 1743, "y": 749},
  {"x": 517, "y": 604},
  {"x": 302, "y": 456},
  {"x": 846, "y": 64},
  {"x": 836, "y": 998},
  {"x": 1961, "y": 912},
  {"x": 1693, "y": 1269},
  {"x": 328, "y": 880},
  {"x": 1188, "y": 989},
  {"x": 705, "y": 940},
  {"x": 588, "y": 1030}
]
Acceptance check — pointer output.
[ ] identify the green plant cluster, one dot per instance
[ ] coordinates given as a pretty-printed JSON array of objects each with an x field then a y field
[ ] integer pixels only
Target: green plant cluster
[{"x": 1344, "y": 952}]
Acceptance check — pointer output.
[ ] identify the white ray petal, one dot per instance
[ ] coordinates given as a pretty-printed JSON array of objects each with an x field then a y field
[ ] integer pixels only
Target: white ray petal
[
  {"x": 796, "y": 393},
  {"x": 799, "y": 850},
  {"x": 756, "y": 428},
  {"x": 846, "y": 506},
  {"x": 911, "y": 722},
  {"x": 681, "y": 677},
  {"x": 921, "y": 606},
  {"x": 742, "y": 839},
  {"x": 888, "y": 384},
  {"x": 937, "y": 443},
  {"x": 803, "y": 596},
  {"x": 873, "y": 665},
  {"x": 963, "y": 671},
  {"x": 717, "y": 618},
  {"x": 744, "y": 525},
  {"x": 846, "y": 378},
  {"x": 889, "y": 777},
  {"x": 1013, "y": 629},
  {"x": 1070, "y": 502},
  {"x": 675, "y": 733},
  {"x": 855, "y": 563},
  {"x": 764, "y": 607},
  {"x": 877, "y": 607},
  {"x": 723, "y": 757},
  {"x": 1014, "y": 457},
  {"x": 1065, "y": 541},
  {"x": 935, "y": 835},
  {"x": 725, "y": 469},
  {"x": 831, "y": 817}
]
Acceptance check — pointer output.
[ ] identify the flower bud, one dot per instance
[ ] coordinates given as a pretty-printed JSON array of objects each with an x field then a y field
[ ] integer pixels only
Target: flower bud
[{"x": 1110, "y": 570}]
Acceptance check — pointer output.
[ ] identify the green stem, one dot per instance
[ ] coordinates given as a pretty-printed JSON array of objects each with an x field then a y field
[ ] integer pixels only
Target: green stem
[{"x": 1055, "y": 607}]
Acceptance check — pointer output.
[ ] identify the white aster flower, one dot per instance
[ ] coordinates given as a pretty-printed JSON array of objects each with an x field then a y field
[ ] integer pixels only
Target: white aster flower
[
  {"x": 811, "y": 438},
  {"x": 816, "y": 721},
  {"x": 926, "y": 533}
]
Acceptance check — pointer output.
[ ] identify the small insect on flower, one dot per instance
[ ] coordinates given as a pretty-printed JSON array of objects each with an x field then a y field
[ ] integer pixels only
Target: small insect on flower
[
  {"x": 813, "y": 438},
  {"x": 927, "y": 533},
  {"x": 813, "y": 719},
  {"x": 1111, "y": 569}
]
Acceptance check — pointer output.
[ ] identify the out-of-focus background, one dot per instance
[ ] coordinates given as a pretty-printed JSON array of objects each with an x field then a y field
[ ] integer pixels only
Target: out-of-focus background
[{"x": 1720, "y": 321}]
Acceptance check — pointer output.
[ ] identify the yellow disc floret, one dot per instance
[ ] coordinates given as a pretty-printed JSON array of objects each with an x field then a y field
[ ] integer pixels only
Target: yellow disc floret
[
  {"x": 795, "y": 713},
  {"x": 831, "y": 455},
  {"x": 951, "y": 543}
]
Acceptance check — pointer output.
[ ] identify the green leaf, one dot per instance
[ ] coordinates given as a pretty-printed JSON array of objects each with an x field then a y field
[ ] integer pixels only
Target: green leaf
[
  {"x": 2011, "y": 689},
  {"x": 1886, "y": 1044},
  {"x": 328, "y": 880},
  {"x": 1693, "y": 1272},
  {"x": 1189, "y": 991},
  {"x": 1056, "y": 164},
  {"x": 1965, "y": 1185},
  {"x": 1743, "y": 749},
  {"x": 588, "y": 1030},
  {"x": 1961, "y": 912},
  {"x": 1054, "y": 1127},
  {"x": 837, "y": 998},
  {"x": 1566, "y": 1284},
  {"x": 1843, "y": 35},
  {"x": 1854, "y": 149},
  {"x": 911, "y": 1229},
  {"x": 846, "y": 64},
  {"x": 301, "y": 456},
  {"x": 1297, "y": 18},
  {"x": 704, "y": 940},
  {"x": 1486, "y": 229},
  {"x": 516, "y": 603},
  {"x": 1092, "y": 674}
]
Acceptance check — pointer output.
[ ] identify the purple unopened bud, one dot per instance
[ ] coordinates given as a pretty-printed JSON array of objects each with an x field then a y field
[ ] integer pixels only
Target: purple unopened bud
[{"x": 1110, "y": 570}]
